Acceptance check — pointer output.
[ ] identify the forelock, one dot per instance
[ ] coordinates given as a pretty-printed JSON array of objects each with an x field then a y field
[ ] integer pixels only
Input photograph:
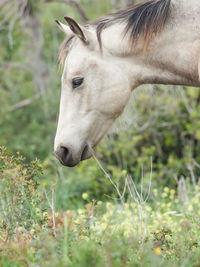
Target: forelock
[{"x": 65, "y": 48}]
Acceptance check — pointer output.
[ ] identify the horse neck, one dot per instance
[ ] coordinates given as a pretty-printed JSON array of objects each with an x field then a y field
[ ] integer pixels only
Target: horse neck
[{"x": 173, "y": 57}]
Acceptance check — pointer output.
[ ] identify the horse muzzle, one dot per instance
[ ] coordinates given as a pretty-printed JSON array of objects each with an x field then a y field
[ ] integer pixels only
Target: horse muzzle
[{"x": 67, "y": 157}]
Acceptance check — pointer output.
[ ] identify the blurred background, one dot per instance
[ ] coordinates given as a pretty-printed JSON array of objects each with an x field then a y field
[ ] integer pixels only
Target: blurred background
[{"x": 161, "y": 125}]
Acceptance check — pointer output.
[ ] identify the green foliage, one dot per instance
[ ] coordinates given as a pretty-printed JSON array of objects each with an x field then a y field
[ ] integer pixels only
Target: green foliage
[
  {"x": 22, "y": 206},
  {"x": 138, "y": 233},
  {"x": 5, "y": 262},
  {"x": 170, "y": 138},
  {"x": 166, "y": 136}
]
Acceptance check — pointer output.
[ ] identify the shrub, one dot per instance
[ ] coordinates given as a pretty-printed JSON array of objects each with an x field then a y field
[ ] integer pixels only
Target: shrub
[{"x": 22, "y": 205}]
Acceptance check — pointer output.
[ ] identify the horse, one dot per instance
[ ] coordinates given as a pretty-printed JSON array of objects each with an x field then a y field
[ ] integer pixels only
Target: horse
[{"x": 155, "y": 42}]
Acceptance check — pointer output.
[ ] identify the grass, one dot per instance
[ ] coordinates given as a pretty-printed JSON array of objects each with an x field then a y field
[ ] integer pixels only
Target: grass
[
  {"x": 164, "y": 232},
  {"x": 148, "y": 227}
]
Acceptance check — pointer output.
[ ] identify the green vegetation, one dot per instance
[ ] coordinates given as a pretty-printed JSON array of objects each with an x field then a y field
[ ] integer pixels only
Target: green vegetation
[
  {"x": 56, "y": 216},
  {"x": 158, "y": 227}
]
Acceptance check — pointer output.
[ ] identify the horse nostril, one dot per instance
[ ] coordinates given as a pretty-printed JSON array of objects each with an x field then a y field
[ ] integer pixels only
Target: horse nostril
[
  {"x": 64, "y": 153},
  {"x": 69, "y": 157}
]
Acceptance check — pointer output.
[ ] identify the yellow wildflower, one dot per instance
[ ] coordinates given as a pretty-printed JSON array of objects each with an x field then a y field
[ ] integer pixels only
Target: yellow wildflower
[
  {"x": 190, "y": 208},
  {"x": 164, "y": 195},
  {"x": 166, "y": 189},
  {"x": 155, "y": 191},
  {"x": 148, "y": 208},
  {"x": 81, "y": 211},
  {"x": 172, "y": 192},
  {"x": 84, "y": 196},
  {"x": 32, "y": 231},
  {"x": 37, "y": 210},
  {"x": 158, "y": 251},
  {"x": 124, "y": 173},
  {"x": 44, "y": 184},
  {"x": 20, "y": 229},
  {"x": 133, "y": 205},
  {"x": 196, "y": 200}
]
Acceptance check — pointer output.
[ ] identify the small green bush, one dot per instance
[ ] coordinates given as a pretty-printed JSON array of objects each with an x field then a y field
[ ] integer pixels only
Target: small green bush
[{"x": 22, "y": 205}]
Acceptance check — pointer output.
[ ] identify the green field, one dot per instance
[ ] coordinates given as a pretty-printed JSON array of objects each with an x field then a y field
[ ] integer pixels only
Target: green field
[{"x": 136, "y": 204}]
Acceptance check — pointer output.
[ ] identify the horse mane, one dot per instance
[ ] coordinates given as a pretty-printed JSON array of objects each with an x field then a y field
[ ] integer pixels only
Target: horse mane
[{"x": 142, "y": 20}]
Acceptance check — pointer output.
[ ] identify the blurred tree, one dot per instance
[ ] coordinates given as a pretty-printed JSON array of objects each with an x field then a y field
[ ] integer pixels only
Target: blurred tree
[
  {"x": 25, "y": 12},
  {"x": 122, "y": 3},
  {"x": 75, "y": 5}
]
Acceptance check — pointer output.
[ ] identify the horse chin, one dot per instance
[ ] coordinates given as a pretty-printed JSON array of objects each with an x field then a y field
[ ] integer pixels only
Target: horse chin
[
  {"x": 86, "y": 155},
  {"x": 69, "y": 164}
]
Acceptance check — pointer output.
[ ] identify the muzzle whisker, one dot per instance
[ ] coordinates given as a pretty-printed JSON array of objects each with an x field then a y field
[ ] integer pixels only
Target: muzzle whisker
[{"x": 107, "y": 175}]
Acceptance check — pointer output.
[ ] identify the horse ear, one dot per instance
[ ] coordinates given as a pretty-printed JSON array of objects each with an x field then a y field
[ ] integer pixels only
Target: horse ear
[
  {"x": 76, "y": 29},
  {"x": 66, "y": 29}
]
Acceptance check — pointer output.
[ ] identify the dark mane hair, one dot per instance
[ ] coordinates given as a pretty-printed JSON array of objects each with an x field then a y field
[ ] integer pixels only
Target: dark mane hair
[{"x": 142, "y": 20}]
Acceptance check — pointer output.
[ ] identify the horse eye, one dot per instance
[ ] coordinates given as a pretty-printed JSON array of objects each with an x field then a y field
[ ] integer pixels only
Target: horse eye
[{"x": 76, "y": 82}]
